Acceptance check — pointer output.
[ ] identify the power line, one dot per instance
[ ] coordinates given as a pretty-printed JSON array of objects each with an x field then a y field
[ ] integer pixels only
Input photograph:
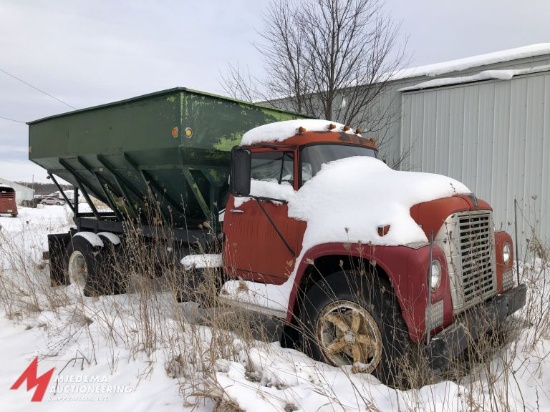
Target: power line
[
  {"x": 36, "y": 88},
  {"x": 11, "y": 120}
]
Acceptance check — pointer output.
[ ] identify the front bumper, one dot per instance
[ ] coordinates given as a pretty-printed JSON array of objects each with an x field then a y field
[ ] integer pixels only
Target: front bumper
[{"x": 470, "y": 325}]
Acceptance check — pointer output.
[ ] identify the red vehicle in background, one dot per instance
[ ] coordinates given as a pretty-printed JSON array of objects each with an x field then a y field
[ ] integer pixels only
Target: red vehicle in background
[{"x": 7, "y": 201}]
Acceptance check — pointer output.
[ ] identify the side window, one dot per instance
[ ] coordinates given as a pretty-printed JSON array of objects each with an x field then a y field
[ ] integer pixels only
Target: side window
[
  {"x": 275, "y": 167},
  {"x": 307, "y": 172}
]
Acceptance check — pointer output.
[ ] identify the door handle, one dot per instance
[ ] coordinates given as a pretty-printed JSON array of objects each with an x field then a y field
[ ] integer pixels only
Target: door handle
[{"x": 236, "y": 211}]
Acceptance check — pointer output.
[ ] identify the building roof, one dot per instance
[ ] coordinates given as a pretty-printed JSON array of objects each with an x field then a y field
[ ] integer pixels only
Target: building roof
[
  {"x": 438, "y": 69},
  {"x": 16, "y": 186}
]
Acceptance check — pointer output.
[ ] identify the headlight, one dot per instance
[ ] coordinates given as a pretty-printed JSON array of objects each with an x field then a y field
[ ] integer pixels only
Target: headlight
[
  {"x": 506, "y": 253},
  {"x": 435, "y": 278}
]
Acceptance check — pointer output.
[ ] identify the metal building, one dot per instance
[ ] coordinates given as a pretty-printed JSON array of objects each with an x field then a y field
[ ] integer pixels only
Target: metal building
[{"x": 485, "y": 121}]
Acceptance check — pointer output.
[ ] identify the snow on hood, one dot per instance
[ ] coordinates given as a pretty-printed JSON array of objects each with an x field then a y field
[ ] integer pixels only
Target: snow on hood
[
  {"x": 364, "y": 194},
  {"x": 349, "y": 198},
  {"x": 280, "y": 131}
]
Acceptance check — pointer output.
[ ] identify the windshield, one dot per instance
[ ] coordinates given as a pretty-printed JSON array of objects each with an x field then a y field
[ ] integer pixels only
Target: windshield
[{"x": 313, "y": 157}]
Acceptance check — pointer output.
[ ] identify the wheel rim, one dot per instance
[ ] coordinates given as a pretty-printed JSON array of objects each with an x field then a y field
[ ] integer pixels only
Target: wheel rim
[
  {"x": 78, "y": 271},
  {"x": 348, "y": 334}
]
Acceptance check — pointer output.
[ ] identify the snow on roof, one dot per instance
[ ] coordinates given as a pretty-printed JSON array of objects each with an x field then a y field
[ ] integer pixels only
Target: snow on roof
[
  {"x": 280, "y": 131},
  {"x": 484, "y": 75},
  {"x": 474, "y": 61}
]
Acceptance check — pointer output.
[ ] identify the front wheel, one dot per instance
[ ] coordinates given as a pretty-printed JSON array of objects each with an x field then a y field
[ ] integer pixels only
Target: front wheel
[{"x": 349, "y": 320}]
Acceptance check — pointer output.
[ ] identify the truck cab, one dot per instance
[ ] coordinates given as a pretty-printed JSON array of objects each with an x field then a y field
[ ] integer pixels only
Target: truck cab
[{"x": 263, "y": 243}]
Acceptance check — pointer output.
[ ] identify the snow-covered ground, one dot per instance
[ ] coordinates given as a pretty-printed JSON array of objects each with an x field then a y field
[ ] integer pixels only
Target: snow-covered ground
[{"x": 144, "y": 352}]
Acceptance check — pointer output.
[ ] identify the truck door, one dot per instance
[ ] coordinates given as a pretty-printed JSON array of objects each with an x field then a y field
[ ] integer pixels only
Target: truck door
[{"x": 261, "y": 241}]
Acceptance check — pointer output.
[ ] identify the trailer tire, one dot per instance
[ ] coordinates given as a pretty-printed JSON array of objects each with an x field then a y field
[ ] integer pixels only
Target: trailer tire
[
  {"x": 347, "y": 322},
  {"x": 83, "y": 265},
  {"x": 116, "y": 272}
]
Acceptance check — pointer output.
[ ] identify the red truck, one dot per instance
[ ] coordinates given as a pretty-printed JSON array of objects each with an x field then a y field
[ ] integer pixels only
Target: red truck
[
  {"x": 8, "y": 204},
  {"x": 365, "y": 261},
  {"x": 363, "y": 264}
]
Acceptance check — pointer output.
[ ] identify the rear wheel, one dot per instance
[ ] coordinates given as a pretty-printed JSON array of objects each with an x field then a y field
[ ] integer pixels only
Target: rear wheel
[
  {"x": 83, "y": 265},
  {"x": 349, "y": 320}
]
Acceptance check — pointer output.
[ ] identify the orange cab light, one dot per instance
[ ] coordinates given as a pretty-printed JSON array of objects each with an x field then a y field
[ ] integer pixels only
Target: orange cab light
[
  {"x": 346, "y": 128},
  {"x": 331, "y": 126},
  {"x": 301, "y": 129}
]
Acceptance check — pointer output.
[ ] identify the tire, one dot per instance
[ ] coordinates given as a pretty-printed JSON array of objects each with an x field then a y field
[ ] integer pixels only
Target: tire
[
  {"x": 116, "y": 274},
  {"x": 83, "y": 266},
  {"x": 349, "y": 320}
]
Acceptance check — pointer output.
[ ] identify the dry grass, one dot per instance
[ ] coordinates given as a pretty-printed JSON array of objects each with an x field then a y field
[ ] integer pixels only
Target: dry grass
[{"x": 198, "y": 338}]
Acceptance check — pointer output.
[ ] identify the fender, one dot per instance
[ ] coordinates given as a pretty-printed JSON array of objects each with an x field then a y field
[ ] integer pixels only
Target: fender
[
  {"x": 91, "y": 238},
  {"x": 407, "y": 269},
  {"x": 114, "y": 239}
]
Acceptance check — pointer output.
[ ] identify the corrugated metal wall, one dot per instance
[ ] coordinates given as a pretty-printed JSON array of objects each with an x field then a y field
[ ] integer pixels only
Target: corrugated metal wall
[{"x": 493, "y": 136}]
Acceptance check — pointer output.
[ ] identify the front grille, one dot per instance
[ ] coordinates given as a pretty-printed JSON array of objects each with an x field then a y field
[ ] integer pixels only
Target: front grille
[
  {"x": 468, "y": 241},
  {"x": 476, "y": 252}
]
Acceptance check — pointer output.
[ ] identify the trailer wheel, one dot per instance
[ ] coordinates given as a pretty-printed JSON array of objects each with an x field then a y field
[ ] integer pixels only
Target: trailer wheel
[
  {"x": 115, "y": 271},
  {"x": 83, "y": 264},
  {"x": 347, "y": 322}
]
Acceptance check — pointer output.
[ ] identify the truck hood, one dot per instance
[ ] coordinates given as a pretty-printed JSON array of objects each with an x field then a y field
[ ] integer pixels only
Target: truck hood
[
  {"x": 349, "y": 199},
  {"x": 431, "y": 215}
]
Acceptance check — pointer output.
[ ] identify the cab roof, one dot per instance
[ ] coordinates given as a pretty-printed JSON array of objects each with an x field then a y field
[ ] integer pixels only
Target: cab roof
[{"x": 304, "y": 131}]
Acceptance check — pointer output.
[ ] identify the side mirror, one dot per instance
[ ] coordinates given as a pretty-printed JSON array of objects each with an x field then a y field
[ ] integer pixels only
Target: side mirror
[{"x": 240, "y": 171}]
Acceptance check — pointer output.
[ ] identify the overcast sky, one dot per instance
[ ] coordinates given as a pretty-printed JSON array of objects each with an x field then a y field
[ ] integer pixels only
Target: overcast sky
[{"x": 87, "y": 52}]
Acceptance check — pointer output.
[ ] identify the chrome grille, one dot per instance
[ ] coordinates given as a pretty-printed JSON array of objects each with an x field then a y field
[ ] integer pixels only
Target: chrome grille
[
  {"x": 476, "y": 252},
  {"x": 468, "y": 241}
]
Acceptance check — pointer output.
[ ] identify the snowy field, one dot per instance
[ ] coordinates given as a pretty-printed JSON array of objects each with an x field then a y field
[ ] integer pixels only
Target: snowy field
[{"x": 145, "y": 352}]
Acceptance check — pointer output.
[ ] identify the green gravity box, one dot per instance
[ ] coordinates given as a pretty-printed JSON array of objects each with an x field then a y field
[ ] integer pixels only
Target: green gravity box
[{"x": 169, "y": 149}]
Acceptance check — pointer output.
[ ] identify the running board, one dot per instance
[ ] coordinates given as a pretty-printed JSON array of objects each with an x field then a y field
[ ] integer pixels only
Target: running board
[{"x": 253, "y": 308}]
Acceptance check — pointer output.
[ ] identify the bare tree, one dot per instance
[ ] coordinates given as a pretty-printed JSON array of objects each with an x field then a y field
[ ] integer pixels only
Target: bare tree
[{"x": 324, "y": 58}]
